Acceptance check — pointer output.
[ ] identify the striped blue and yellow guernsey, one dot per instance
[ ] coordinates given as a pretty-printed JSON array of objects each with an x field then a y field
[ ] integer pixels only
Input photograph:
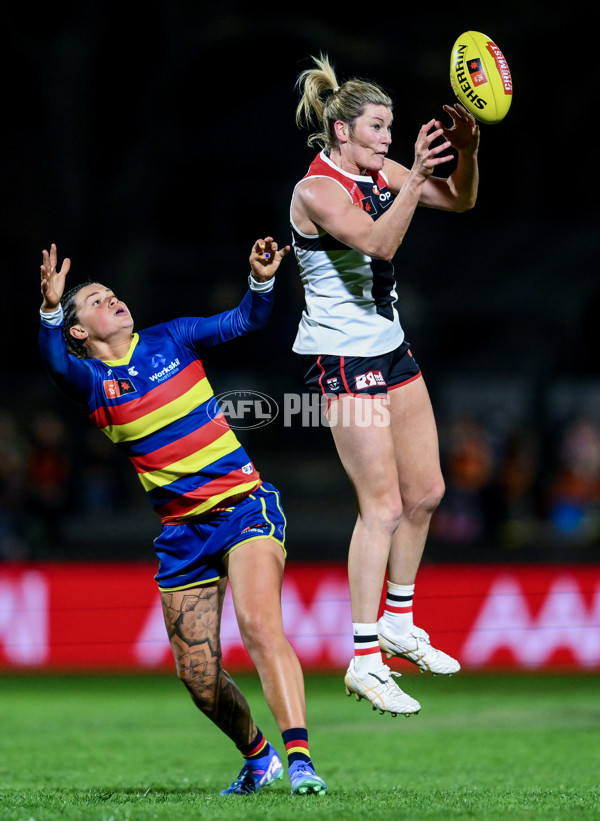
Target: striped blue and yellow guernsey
[{"x": 158, "y": 406}]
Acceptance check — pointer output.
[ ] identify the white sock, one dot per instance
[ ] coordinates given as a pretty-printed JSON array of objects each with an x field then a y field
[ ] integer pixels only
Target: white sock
[
  {"x": 367, "y": 653},
  {"x": 398, "y": 613}
]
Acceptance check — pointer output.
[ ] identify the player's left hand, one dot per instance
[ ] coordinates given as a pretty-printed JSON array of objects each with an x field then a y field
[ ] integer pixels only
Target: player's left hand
[
  {"x": 52, "y": 281},
  {"x": 463, "y": 134},
  {"x": 266, "y": 257}
]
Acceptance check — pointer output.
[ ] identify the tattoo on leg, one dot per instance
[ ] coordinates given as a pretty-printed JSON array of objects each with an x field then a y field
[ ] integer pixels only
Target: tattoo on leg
[{"x": 193, "y": 622}]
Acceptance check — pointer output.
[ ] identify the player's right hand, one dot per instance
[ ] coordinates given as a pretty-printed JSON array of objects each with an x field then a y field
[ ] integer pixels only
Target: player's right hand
[
  {"x": 427, "y": 155},
  {"x": 266, "y": 257}
]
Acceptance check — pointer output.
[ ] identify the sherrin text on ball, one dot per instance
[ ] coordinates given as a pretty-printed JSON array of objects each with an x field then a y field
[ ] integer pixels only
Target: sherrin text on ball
[{"x": 480, "y": 77}]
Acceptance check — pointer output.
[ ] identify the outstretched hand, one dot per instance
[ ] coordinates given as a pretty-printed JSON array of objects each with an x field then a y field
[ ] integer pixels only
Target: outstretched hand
[
  {"x": 53, "y": 281},
  {"x": 428, "y": 153},
  {"x": 463, "y": 134},
  {"x": 266, "y": 257}
]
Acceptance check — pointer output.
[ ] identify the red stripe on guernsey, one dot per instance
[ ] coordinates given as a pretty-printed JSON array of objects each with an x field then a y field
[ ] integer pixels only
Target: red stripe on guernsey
[
  {"x": 174, "y": 451},
  {"x": 299, "y": 742},
  {"x": 320, "y": 167},
  {"x": 182, "y": 504},
  {"x": 156, "y": 398}
]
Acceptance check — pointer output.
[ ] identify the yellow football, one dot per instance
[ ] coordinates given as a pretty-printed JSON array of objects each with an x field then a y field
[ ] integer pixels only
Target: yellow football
[{"x": 480, "y": 77}]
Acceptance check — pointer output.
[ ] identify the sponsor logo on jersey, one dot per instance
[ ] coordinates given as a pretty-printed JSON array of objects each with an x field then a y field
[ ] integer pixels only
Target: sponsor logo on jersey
[
  {"x": 167, "y": 371},
  {"x": 113, "y": 388},
  {"x": 367, "y": 205},
  {"x": 384, "y": 198}
]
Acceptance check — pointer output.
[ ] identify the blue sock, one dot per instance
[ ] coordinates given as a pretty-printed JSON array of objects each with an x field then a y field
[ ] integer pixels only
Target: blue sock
[
  {"x": 258, "y": 748},
  {"x": 296, "y": 745}
]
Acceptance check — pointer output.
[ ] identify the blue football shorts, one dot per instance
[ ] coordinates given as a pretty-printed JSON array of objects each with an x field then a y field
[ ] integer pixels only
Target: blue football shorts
[
  {"x": 358, "y": 375},
  {"x": 192, "y": 553}
]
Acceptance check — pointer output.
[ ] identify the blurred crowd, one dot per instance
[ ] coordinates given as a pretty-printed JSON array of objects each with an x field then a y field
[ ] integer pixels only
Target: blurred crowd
[
  {"x": 522, "y": 489},
  {"x": 47, "y": 476},
  {"x": 509, "y": 490}
]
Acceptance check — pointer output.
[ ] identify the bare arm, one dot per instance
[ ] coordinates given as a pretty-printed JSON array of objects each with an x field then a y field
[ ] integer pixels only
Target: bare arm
[
  {"x": 326, "y": 205},
  {"x": 459, "y": 191}
]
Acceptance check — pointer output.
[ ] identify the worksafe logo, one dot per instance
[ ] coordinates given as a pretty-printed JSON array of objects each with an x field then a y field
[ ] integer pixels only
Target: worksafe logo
[{"x": 243, "y": 410}]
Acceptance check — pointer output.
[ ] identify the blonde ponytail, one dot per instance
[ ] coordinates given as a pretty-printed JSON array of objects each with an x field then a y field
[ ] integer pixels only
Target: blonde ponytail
[{"x": 323, "y": 101}]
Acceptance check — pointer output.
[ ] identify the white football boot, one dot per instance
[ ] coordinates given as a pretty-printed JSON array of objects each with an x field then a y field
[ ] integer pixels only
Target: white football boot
[
  {"x": 416, "y": 647},
  {"x": 379, "y": 688}
]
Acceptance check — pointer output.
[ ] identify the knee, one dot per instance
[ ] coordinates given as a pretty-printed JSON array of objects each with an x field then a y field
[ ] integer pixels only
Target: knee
[
  {"x": 383, "y": 511},
  {"x": 425, "y": 500},
  {"x": 392, "y": 512},
  {"x": 188, "y": 675},
  {"x": 201, "y": 681},
  {"x": 436, "y": 494},
  {"x": 259, "y": 633}
]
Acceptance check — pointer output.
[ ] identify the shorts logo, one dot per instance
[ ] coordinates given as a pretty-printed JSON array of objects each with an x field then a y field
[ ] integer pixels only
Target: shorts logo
[
  {"x": 113, "y": 388},
  {"x": 333, "y": 384},
  {"x": 256, "y": 528},
  {"x": 249, "y": 468},
  {"x": 370, "y": 379}
]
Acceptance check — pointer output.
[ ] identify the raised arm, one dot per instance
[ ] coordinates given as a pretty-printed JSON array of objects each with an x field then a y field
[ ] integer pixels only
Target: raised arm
[
  {"x": 327, "y": 206},
  {"x": 67, "y": 372},
  {"x": 255, "y": 308},
  {"x": 265, "y": 258},
  {"x": 459, "y": 191},
  {"x": 53, "y": 281}
]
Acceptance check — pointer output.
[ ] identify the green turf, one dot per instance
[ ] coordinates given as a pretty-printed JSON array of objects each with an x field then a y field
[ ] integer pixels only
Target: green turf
[{"x": 134, "y": 747}]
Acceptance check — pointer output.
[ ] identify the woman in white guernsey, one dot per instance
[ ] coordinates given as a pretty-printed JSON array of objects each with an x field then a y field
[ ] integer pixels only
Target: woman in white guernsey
[{"x": 349, "y": 215}]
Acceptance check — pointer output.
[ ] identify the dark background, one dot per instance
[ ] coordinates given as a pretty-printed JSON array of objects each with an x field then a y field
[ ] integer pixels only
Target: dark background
[{"x": 154, "y": 143}]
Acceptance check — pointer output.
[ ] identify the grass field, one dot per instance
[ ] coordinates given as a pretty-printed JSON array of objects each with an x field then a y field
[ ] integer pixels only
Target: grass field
[{"x": 135, "y": 748}]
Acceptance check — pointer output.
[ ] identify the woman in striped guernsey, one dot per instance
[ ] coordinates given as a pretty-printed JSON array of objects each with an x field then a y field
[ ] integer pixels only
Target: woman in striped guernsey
[
  {"x": 149, "y": 394},
  {"x": 349, "y": 215}
]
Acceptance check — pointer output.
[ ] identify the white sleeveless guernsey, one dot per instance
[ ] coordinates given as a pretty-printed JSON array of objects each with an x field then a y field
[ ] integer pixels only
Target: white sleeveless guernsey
[{"x": 349, "y": 297}]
